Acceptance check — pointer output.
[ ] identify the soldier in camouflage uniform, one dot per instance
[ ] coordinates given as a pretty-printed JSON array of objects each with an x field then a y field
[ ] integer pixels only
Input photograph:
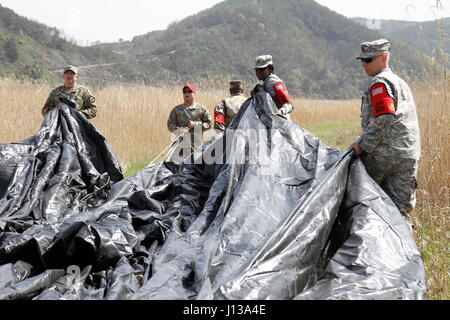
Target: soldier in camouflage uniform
[
  {"x": 274, "y": 85},
  {"x": 80, "y": 95},
  {"x": 228, "y": 108},
  {"x": 190, "y": 117},
  {"x": 390, "y": 144}
]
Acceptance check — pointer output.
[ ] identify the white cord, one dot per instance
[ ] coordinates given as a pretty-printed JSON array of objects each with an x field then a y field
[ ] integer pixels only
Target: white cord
[{"x": 174, "y": 143}]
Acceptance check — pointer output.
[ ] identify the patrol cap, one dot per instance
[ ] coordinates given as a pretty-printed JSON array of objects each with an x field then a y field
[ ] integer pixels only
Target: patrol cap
[
  {"x": 368, "y": 49},
  {"x": 263, "y": 61},
  {"x": 71, "y": 68},
  {"x": 190, "y": 87},
  {"x": 236, "y": 84}
]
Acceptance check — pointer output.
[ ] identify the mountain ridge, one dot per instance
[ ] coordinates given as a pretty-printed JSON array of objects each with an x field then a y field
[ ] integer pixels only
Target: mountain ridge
[
  {"x": 30, "y": 49},
  {"x": 431, "y": 37},
  {"x": 314, "y": 49}
]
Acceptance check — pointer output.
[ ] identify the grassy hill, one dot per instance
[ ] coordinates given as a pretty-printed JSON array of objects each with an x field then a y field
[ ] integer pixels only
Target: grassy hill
[
  {"x": 313, "y": 47},
  {"x": 29, "y": 49}
]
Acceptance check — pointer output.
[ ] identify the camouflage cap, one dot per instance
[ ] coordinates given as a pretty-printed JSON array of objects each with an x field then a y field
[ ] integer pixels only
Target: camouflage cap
[
  {"x": 236, "y": 84},
  {"x": 368, "y": 49},
  {"x": 263, "y": 61},
  {"x": 71, "y": 68}
]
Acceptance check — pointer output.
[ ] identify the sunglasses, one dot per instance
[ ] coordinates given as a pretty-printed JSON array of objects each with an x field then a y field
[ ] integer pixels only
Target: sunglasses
[
  {"x": 260, "y": 69},
  {"x": 187, "y": 91},
  {"x": 369, "y": 60}
]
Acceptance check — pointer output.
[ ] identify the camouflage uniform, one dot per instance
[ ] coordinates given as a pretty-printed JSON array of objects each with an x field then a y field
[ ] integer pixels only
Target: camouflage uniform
[
  {"x": 181, "y": 115},
  {"x": 228, "y": 108},
  {"x": 275, "y": 87},
  {"x": 81, "y": 95},
  {"x": 396, "y": 176},
  {"x": 391, "y": 136}
]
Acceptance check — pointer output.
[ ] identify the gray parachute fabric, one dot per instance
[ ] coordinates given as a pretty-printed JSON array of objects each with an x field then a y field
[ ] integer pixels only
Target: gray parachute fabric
[{"x": 283, "y": 217}]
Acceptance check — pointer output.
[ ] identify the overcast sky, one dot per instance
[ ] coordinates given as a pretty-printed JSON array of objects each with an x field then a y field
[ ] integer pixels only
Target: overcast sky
[{"x": 95, "y": 20}]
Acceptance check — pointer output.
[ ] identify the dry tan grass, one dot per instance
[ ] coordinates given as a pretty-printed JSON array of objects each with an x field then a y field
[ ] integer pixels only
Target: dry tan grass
[
  {"x": 19, "y": 105},
  {"x": 133, "y": 120},
  {"x": 309, "y": 112},
  {"x": 431, "y": 218},
  {"x": 433, "y": 103}
]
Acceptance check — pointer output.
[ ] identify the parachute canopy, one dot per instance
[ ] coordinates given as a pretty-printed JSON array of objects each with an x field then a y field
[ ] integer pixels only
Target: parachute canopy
[{"x": 276, "y": 215}]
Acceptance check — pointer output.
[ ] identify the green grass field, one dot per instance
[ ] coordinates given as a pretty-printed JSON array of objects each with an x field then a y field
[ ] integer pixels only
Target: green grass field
[
  {"x": 336, "y": 134},
  {"x": 134, "y": 168},
  {"x": 431, "y": 234}
]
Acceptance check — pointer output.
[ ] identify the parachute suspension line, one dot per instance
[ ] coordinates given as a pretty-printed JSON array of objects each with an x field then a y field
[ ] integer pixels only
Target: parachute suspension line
[
  {"x": 169, "y": 149},
  {"x": 175, "y": 146},
  {"x": 169, "y": 154},
  {"x": 172, "y": 150}
]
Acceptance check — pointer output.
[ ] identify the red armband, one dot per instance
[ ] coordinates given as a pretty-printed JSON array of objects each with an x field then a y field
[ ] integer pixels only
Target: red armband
[
  {"x": 382, "y": 102},
  {"x": 219, "y": 118},
  {"x": 281, "y": 93}
]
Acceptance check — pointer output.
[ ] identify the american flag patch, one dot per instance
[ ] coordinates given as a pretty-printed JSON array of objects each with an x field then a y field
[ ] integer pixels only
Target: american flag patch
[{"x": 377, "y": 91}]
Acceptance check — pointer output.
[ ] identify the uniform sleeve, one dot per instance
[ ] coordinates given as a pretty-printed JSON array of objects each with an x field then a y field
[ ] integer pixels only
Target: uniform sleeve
[
  {"x": 219, "y": 116},
  {"x": 172, "y": 123},
  {"x": 49, "y": 104},
  {"x": 383, "y": 110},
  {"x": 287, "y": 108},
  {"x": 378, "y": 129},
  {"x": 206, "y": 120},
  {"x": 89, "y": 106},
  {"x": 382, "y": 102},
  {"x": 283, "y": 98}
]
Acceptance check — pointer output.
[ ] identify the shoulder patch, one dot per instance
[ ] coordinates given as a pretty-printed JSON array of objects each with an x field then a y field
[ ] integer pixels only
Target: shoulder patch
[
  {"x": 279, "y": 86},
  {"x": 377, "y": 91},
  {"x": 281, "y": 93},
  {"x": 382, "y": 102},
  {"x": 219, "y": 118}
]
